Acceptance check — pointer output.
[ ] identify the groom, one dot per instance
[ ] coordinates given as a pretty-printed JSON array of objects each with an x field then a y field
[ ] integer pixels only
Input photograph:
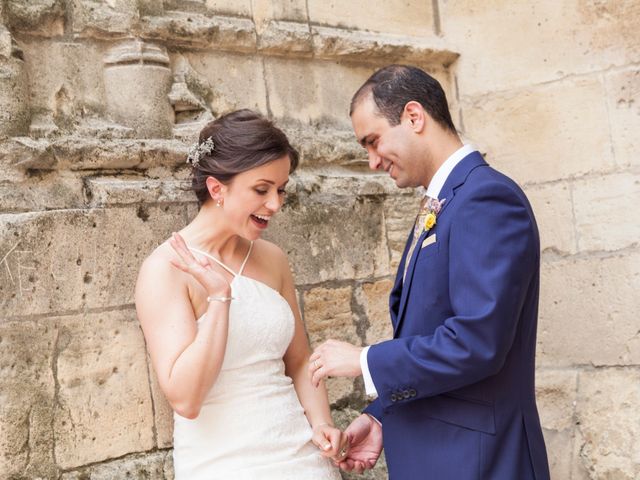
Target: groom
[{"x": 455, "y": 385}]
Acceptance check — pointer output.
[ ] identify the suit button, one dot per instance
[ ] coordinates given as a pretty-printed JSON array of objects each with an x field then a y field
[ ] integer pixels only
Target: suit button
[
  {"x": 405, "y": 394},
  {"x": 393, "y": 397},
  {"x": 412, "y": 393}
]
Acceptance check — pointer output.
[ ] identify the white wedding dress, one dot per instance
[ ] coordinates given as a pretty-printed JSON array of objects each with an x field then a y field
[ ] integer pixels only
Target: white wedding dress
[{"x": 251, "y": 425}]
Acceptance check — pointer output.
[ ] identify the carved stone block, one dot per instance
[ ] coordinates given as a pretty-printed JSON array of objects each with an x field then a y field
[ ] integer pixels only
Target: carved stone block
[{"x": 137, "y": 84}]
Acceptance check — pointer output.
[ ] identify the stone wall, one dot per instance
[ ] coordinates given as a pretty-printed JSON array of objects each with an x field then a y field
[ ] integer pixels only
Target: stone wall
[{"x": 100, "y": 100}]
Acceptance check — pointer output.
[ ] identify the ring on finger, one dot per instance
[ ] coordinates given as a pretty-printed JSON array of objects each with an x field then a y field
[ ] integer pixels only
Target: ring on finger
[{"x": 315, "y": 364}]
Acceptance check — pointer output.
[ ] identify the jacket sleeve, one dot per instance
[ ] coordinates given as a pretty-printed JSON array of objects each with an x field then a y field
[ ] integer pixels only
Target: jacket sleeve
[
  {"x": 493, "y": 256},
  {"x": 375, "y": 410}
]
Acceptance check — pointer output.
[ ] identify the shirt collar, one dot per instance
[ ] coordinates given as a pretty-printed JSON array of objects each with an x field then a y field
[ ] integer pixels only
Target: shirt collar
[{"x": 437, "y": 182}]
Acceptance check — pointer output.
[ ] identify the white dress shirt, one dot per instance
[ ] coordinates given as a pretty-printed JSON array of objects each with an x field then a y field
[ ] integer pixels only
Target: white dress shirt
[{"x": 433, "y": 190}]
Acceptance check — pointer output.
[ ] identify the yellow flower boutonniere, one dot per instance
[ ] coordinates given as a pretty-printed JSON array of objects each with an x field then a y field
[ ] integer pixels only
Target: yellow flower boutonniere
[
  {"x": 430, "y": 212},
  {"x": 429, "y": 221}
]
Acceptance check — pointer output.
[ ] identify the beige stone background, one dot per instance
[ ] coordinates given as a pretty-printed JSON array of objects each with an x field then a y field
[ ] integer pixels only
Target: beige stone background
[{"x": 99, "y": 100}]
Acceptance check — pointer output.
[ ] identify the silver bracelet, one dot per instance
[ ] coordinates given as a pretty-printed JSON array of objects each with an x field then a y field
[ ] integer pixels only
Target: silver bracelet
[{"x": 219, "y": 299}]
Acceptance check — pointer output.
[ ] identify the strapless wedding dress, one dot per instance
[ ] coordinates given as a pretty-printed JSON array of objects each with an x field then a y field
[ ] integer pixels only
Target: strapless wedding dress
[{"x": 251, "y": 425}]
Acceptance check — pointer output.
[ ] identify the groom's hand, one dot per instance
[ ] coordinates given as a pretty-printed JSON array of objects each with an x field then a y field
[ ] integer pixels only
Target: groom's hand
[
  {"x": 365, "y": 437},
  {"x": 334, "y": 359}
]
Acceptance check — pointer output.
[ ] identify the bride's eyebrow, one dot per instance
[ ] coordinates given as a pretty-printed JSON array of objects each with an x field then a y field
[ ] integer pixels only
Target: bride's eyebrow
[{"x": 270, "y": 182}]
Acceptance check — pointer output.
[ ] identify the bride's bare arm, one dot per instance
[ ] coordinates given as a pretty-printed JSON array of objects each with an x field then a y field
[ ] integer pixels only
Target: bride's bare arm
[
  {"x": 186, "y": 359},
  {"x": 314, "y": 400}
]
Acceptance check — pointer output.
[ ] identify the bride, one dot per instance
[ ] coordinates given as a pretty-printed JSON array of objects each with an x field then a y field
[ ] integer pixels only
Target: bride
[{"x": 219, "y": 314}]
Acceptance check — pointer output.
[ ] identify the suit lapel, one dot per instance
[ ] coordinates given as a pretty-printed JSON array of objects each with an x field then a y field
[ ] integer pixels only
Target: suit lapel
[
  {"x": 396, "y": 291},
  {"x": 457, "y": 177}
]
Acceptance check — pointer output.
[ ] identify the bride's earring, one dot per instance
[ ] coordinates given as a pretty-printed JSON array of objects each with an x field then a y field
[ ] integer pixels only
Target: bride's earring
[{"x": 219, "y": 203}]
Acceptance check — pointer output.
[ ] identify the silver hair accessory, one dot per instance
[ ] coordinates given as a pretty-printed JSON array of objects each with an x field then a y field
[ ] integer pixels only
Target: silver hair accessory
[{"x": 197, "y": 151}]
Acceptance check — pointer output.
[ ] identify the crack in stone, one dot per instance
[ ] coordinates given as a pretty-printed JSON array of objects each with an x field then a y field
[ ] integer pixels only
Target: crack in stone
[
  {"x": 436, "y": 18},
  {"x": 55, "y": 404}
]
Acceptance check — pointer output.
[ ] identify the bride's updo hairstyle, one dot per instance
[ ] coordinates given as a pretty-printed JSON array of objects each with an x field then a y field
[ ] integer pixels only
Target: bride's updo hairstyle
[{"x": 234, "y": 143}]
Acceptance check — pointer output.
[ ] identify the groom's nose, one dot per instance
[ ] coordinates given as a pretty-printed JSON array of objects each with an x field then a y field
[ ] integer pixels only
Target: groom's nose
[{"x": 375, "y": 161}]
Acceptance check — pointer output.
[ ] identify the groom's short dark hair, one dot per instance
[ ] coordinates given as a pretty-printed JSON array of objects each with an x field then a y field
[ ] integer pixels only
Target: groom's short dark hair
[{"x": 392, "y": 87}]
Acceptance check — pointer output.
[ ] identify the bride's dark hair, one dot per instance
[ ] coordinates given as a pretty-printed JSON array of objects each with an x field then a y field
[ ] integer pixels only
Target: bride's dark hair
[{"x": 242, "y": 140}]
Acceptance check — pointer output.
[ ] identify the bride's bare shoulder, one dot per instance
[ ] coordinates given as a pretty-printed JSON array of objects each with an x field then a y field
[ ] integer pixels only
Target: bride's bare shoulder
[{"x": 158, "y": 262}]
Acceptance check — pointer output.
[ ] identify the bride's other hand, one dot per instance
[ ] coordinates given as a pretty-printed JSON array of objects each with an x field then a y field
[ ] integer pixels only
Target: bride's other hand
[
  {"x": 331, "y": 441},
  {"x": 202, "y": 269}
]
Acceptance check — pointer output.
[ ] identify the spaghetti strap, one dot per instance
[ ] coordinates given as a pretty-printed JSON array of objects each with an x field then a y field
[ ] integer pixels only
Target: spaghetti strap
[
  {"x": 218, "y": 261},
  {"x": 245, "y": 259}
]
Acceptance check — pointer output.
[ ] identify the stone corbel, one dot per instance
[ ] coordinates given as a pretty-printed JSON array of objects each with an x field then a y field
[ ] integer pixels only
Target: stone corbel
[
  {"x": 190, "y": 110},
  {"x": 137, "y": 81}
]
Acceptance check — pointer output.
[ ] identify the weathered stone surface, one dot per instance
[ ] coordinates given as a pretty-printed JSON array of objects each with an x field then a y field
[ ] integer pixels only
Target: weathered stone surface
[
  {"x": 162, "y": 412},
  {"x": 104, "y": 405},
  {"x": 152, "y": 7},
  {"x": 359, "y": 14},
  {"x": 593, "y": 34},
  {"x": 579, "y": 468},
  {"x": 43, "y": 191},
  {"x": 603, "y": 202},
  {"x": 65, "y": 80},
  {"x": 607, "y": 411},
  {"x": 325, "y": 146},
  {"x": 27, "y": 387},
  {"x": 168, "y": 467},
  {"x": 374, "y": 299},
  {"x": 197, "y": 30},
  {"x": 285, "y": 38},
  {"x": 14, "y": 88},
  {"x": 320, "y": 145},
  {"x": 236, "y": 8},
  {"x": 111, "y": 191},
  {"x": 299, "y": 90},
  {"x": 135, "y": 467},
  {"x": 339, "y": 389},
  {"x": 342, "y": 239},
  {"x": 265, "y": 10},
  {"x": 557, "y": 137},
  {"x": 340, "y": 182},
  {"x": 623, "y": 92},
  {"x": 335, "y": 43},
  {"x": 78, "y": 153},
  {"x": 587, "y": 311},
  {"x": 327, "y": 314},
  {"x": 37, "y": 17},
  {"x": 400, "y": 213},
  {"x": 60, "y": 261},
  {"x": 556, "y": 392},
  {"x": 228, "y": 82},
  {"x": 92, "y": 17},
  {"x": 553, "y": 208}
]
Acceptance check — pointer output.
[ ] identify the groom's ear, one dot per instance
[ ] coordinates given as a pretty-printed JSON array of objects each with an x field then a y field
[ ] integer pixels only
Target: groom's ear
[{"x": 414, "y": 115}]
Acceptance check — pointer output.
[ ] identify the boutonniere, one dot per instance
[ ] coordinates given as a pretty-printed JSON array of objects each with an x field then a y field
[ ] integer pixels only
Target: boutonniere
[{"x": 432, "y": 209}]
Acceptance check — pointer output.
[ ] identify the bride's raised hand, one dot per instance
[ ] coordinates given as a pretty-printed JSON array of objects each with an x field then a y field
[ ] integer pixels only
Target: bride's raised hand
[
  {"x": 202, "y": 269},
  {"x": 331, "y": 441}
]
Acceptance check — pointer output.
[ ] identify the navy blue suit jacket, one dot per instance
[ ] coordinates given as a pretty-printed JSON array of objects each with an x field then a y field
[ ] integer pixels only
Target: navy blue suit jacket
[{"x": 456, "y": 383}]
